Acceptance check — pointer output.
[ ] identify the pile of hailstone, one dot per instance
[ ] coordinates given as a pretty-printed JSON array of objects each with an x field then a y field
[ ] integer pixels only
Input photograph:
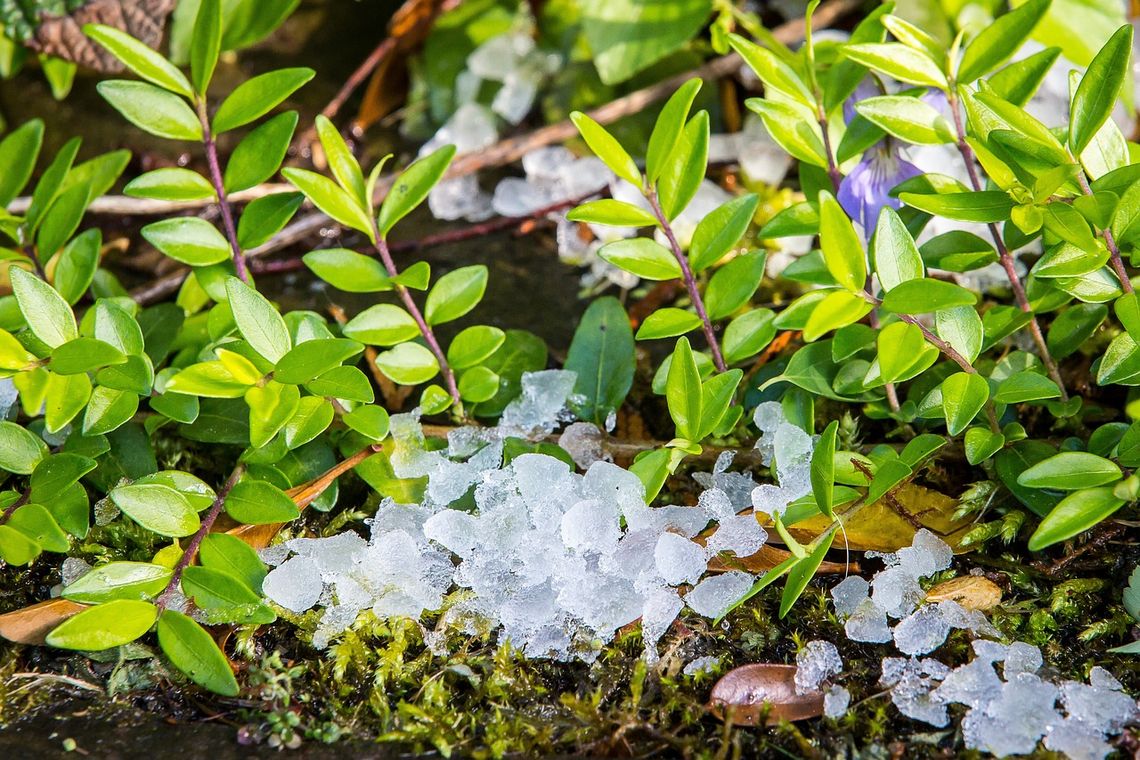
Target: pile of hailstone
[{"x": 556, "y": 561}]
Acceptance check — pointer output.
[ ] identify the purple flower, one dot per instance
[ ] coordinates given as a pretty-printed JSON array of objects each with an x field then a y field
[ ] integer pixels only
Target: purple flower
[
  {"x": 868, "y": 88},
  {"x": 864, "y": 192}
]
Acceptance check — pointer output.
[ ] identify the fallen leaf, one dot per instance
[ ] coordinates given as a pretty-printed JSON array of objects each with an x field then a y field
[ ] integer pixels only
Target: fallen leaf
[
  {"x": 259, "y": 536},
  {"x": 974, "y": 592},
  {"x": 762, "y": 692},
  {"x": 881, "y": 527},
  {"x": 770, "y": 556},
  {"x": 31, "y": 625}
]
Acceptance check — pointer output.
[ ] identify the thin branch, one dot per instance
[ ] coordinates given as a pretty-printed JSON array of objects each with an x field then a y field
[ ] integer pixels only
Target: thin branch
[
  {"x": 381, "y": 246},
  {"x": 1004, "y": 256},
  {"x": 191, "y": 550},
  {"x": 219, "y": 184},
  {"x": 502, "y": 153},
  {"x": 1110, "y": 242}
]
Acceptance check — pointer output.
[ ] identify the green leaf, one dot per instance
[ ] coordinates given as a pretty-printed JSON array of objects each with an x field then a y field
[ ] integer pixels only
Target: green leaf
[
  {"x": 607, "y": 148},
  {"x": 108, "y": 409},
  {"x": 118, "y": 580},
  {"x": 347, "y": 383},
  {"x": 412, "y": 186},
  {"x": 926, "y": 295},
  {"x": 733, "y": 284},
  {"x": 54, "y": 474},
  {"x": 76, "y": 266},
  {"x": 981, "y": 443},
  {"x": 205, "y": 44},
  {"x": 720, "y": 230},
  {"x": 313, "y": 417},
  {"x": 643, "y": 257},
  {"x": 668, "y": 323},
  {"x": 1026, "y": 385},
  {"x": 188, "y": 239},
  {"x": 893, "y": 251},
  {"x": 1075, "y": 514},
  {"x": 382, "y": 325},
  {"x": 256, "y": 97},
  {"x": 898, "y": 61},
  {"x": 612, "y": 213},
  {"x": 1018, "y": 81},
  {"x": 20, "y": 449},
  {"x": 210, "y": 379},
  {"x": 999, "y": 40},
  {"x": 627, "y": 36},
  {"x": 801, "y": 574},
  {"x": 152, "y": 109},
  {"x": 899, "y": 345},
  {"x": 345, "y": 168},
  {"x": 270, "y": 407},
  {"x": 170, "y": 184},
  {"x": 408, "y": 364},
  {"x": 962, "y": 328},
  {"x": 985, "y": 206},
  {"x": 602, "y": 355},
  {"x": 685, "y": 168},
  {"x": 667, "y": 130},
  {"x": 748, "y": 335},
  {"x": 455, "y": 294},
  {"x": 266, "y": 216},
  {"x": 140, "y": 59},
  {"x": 772, "y": 71},
  {"x": 37, "y": 523},
  {"x": 963, "y": 396},
  {"x": 258, "y": 321},
  {"x": 907, "y": 118},
  {"x": 108, "y": 625},
  {"x": 48, "y": 315},
  {"x": 158, "y": 508},
  {"x": 256, "y": 502},
  {"x": 260, "y": 153},
  {"x": 473, "y": 345},
  {"x": 478, "y": 384},
  {"x": 224, "y": 598},
  {"x": 1070, "y": 471},
  {"x": 842, "y": 250},
  {"x": 330, "y": 198},
  {"x": 1076, "y": 324},
  {"x": 823, "y": 469},
  {"x": 838, "y": 309},
  {"x": 16, "y": 549},
  {"x": 51, "y": 183},
  {"x": 61, "y": 221},
  {"x": 348, "y": 270},
  {"x": 65, "y": 397},
  {"x": 683, "y": 392},
  {"x": 716, "y": 399},
  {"x": 192, "y": 650},
  {"x": 372, "y": 421},
  {"x": 18, "y": 153},
  {"x": 232, "y": 556},
  {"x": 1099, "y": 88},
  {"x": 84, "y": 355},
  {"x": 792, "y": 130},
  {"x": 314, "y": 357}
]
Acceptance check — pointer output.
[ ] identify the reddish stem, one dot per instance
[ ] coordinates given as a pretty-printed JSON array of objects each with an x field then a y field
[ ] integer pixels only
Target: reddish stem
[
  {"x": 1110, "y": 242},
  {"x": 690, "y": 281},
  {"x": 217, "y": 180},
  {"x": 425, "y": 329},
  {"x": 1004, "y": 256},
  {"x": 191, "y": 550}
]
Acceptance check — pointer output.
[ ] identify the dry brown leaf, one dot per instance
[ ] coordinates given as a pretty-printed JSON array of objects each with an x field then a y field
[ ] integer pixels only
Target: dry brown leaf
[
  {"x": 259, "y": 536},
  {"x": 63, "y": 36},
  {"x": 880, "y": 527},
  {"x": 763, "y": 692},
  {"x": 770, "y": 556},
  {"x": 31, "y": 625},
  {"x": 974, "y": 592}
]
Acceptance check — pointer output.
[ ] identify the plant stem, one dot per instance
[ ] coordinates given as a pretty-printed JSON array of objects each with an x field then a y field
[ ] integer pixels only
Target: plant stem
[
  {"x": 690, "y": 280},
  {"x": 948, "y": 351},
  {"x": 191, "y": 550},
  {"x": 381, "y": 246},
  {"x": 1004, "y": 256},
  {"x": 1110, "y": 242},
  {"x": 11, "y": 510},
  {"x": 219, "y": 184},
  {"x": 832, "y": 167}
]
